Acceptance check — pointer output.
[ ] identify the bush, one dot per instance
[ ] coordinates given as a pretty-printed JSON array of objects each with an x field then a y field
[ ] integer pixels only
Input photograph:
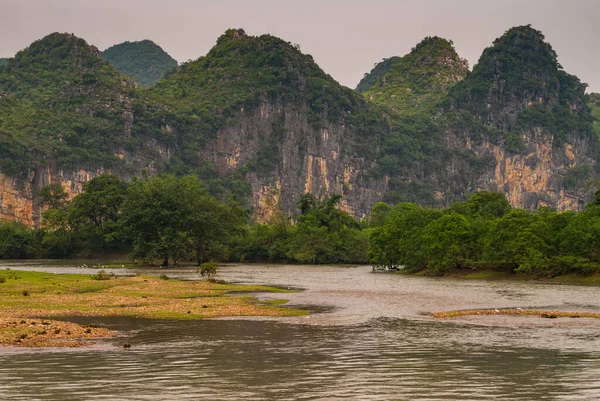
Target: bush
[
  {"x": 562, "y": 265},
  {"x": 208, "y": 269}
]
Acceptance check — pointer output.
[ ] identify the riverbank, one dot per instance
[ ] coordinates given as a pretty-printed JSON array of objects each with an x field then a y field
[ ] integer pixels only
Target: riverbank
[{"x": 27, "y": 296}]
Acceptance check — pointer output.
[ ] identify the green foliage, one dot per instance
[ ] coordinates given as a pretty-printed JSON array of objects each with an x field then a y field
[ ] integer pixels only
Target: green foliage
[
  {"x": 144, "y": 61},
  {"x": 420, "y": 80},
  {"x": 518, "y": 84},
  {"x": 322, "y": 234},
  {"x": 484, "y": 232},
  {"x": 59, "y": 101},
  {"x": 169, "y": 218},
  {"x": 208, "y": 270},
  {"x": 378, "y": 71},
  {"x": 16, "y": 241},
  {"x": 3, "y": 61}
]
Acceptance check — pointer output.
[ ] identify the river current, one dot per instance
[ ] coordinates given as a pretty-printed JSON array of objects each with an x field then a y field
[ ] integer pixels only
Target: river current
[{"x": 370, "y": 337}]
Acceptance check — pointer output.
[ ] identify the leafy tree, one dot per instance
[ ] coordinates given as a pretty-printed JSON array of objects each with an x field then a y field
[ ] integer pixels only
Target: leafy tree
[
  {"x": 517, "y": 238},
  {"x": 96, "y": 210},
  {"x": 209, "y": 225},
  {"x": 153, "y": 218},
  {"x": 168, "y": 218},
  {"x": 446, "y": 242},
  {"x": 17, "y": 241}
]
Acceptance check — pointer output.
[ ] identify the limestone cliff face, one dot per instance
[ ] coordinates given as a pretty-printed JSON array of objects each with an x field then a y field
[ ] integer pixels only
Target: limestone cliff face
[
  {"x": 18, "y": 195},
  {"x": 534, "y": 177},
  {"x": 321, "y": 161}
]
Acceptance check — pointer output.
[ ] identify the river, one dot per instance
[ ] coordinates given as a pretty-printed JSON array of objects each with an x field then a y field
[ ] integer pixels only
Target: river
[{"x": 369, "y": 338}]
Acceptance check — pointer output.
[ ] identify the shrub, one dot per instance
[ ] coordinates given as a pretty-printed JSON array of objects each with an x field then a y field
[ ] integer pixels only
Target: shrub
[{"x": 208, "y": 269}]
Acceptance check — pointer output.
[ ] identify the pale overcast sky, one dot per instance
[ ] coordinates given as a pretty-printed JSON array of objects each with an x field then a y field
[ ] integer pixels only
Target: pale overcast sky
[{"x": 345, "y": 37}]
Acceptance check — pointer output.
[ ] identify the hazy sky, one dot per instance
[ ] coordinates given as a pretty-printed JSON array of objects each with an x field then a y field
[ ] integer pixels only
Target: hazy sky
[{"x": 345, "y": 37}]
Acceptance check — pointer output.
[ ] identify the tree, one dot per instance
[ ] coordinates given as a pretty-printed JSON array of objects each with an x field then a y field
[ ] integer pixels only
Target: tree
[
  {"x": 399, "y": 241},
  {"x": 210, "y": 224},
  {"x": 170, "y": 218},
  {"x": 518, "y": 238},
  {"x": 446, "y": 242},
  {"x": 97, "y": 209},
  {"x": 153, "y": 218},
  {"x": 16, "y": 240}
]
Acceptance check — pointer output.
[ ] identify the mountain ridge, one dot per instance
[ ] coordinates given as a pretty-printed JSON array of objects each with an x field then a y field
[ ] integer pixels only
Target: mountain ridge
[{"x": 258, "y": 120}]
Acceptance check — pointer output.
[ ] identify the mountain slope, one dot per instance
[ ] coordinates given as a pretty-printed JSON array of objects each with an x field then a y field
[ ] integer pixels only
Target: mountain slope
[
  {"x": 420, "y": 79},
  {"x": 528, "y": 117},
  {"x": 257, "y": 106},
  {"x": 254, "y": 117},
  {"x": 65, "y": 115},
  {"x": 3, "y": 61},
  {"x": 144, "y": 61},
  {"x": 378, "y": 71}
]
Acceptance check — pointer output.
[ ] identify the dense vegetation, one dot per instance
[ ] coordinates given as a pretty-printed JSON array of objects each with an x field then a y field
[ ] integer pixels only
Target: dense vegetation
[
  {"x": 411, "y": 89},
  {"x": 144, "y": 61},
  {"x": 165, "y": 219},
  {"x": 518, "y": 84},
  {"x": 378, "y": 71},
  {"x": 3, "y": 61},
  {"x": 60, "y": 102},
  {"x": 484, "y": 232},
  {"x": 419, "y": 80}
]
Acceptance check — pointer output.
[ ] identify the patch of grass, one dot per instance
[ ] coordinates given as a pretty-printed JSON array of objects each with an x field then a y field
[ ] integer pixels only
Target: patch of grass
[
  {"x": 140, "y": 296},
  {"x": 577, "y": 279}
]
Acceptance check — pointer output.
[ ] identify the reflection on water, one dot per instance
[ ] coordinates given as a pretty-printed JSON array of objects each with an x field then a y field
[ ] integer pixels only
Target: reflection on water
[{"x": 374, "y": 345}]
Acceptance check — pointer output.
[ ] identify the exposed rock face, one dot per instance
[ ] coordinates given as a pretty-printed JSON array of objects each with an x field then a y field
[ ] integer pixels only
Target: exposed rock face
[{"x": 319, "y": 161}]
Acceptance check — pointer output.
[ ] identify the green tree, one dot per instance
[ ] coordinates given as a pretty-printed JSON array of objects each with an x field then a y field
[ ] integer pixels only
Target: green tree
[
  {"x": 153, "y": 218},
  {"x": 96, "y": 210},
  {"x": 446, "y": 242},
  {"x": 17, "y": 241},
  {"x": 209, "y": 225}
]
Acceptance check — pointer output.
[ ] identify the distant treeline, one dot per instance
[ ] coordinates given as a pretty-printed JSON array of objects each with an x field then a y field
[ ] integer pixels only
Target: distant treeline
[{"x": 165, "y": 219}]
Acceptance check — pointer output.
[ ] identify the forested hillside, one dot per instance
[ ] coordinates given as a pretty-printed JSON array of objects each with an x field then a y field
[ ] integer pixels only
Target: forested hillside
[
  {"x": 261, "y": 124},
  {"x": 144, "y": 61}
]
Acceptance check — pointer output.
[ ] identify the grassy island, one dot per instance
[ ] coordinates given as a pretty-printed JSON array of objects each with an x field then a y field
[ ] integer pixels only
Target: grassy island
[{"x": 28, "y": 300}]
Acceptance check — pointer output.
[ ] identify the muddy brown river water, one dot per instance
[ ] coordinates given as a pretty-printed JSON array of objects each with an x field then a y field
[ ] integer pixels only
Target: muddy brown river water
[{"x": 369, "y": 338}]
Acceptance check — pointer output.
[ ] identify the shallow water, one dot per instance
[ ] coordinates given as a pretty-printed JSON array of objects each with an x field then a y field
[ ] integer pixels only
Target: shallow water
[{"x": 376, "y": 342}]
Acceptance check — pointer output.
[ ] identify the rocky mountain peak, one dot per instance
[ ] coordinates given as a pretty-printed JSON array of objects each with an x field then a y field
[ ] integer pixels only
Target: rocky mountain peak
[{"x": 518, "y": 82}]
